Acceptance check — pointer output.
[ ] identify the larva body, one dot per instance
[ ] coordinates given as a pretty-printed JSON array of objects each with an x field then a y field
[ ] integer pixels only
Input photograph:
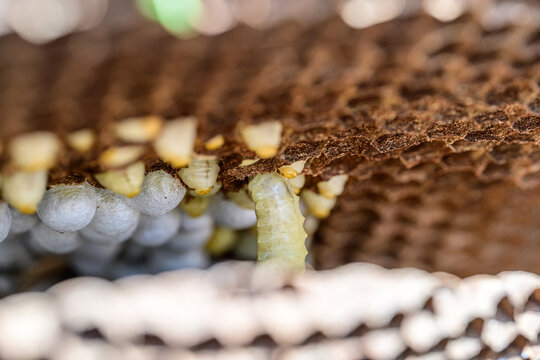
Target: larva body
[
  {"x": 281, "y": 235},
  {"x": 201, "y": 174}
]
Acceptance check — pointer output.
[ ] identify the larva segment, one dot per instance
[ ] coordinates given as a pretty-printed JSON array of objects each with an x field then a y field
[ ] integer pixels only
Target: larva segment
[
  {"x": 201, "y": 174},
  {"x": 281, "y": 235}
]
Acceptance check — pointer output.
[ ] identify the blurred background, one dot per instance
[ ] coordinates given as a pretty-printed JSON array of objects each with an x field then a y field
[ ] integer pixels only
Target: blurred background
[{"x": 41, "y": 21}]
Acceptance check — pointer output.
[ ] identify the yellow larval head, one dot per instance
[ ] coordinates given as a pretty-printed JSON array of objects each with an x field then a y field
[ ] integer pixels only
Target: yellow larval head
[
  {"x": 292, "y": 170},
  {"x": 215, "y": 143}
]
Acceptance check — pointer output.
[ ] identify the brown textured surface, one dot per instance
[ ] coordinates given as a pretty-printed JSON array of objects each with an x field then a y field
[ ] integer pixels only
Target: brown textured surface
[{"x": 438, "y": 124}]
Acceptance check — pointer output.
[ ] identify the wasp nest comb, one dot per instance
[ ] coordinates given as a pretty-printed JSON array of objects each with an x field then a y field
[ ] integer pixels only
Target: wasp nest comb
[{"x": 411, "y": 144}]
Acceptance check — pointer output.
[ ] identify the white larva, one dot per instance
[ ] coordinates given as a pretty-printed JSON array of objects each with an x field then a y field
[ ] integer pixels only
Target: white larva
[
  {"x": 311, "y": 224},
  {"x": 333, "y": 187},
  {"x": 229, "y": 214},
  {"x": 114, "y": 221},
  {"x": 139, "y": 130},
  {"x": 35, "y": 151},
  {"x": 68, "y": 208},
  {"x": 24, "y": 190},
  {"x": 54, "y": 241},
  {"x": 20, "y": 222},
  {"x": 175, "y": 143},
  {"x": 5, "y": 220},
  {"x": 297, "y": 183},
  {"x": 127, "y": 181},
  {"x": 81, "y": 140},
  {"x": 263, "y": 138},
  {"x": 157, "y": 230},
  {"x": 281, "y": 235},
  {"x": 201, "y": 174},
  {"x": 160, "y": 193},
  {"x": 316, "y": 204}
]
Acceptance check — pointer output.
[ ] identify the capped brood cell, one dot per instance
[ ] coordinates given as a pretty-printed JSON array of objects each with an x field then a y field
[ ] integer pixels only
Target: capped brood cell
[{"x": 68, "y": 208}]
